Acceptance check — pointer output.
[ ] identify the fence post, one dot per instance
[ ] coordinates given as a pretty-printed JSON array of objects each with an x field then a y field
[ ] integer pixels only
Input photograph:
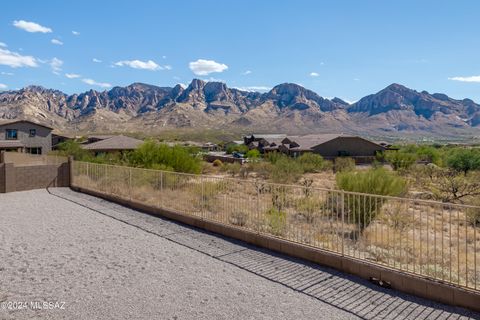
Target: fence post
[
  {"x": 203, "y": 204},
  {"x": 257, "y": 224},
  {"x": 88, "y": 175},
  {"x": 130, "y": 182},
  {"x": 161, "y": 190},
  {"x": 70, "y": 171},
  {"x": 342, "y": 210}
]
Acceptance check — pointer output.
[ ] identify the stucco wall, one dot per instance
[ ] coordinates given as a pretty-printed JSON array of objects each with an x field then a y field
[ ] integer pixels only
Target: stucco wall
[
  {"x": 43, "y": 138},
  {"x": 354, "y": 146},
  {"x": 20, "y": 178}
]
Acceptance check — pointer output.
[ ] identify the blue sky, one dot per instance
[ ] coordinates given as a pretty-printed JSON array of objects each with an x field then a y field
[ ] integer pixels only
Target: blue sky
[{"x": 336, "y": 48}]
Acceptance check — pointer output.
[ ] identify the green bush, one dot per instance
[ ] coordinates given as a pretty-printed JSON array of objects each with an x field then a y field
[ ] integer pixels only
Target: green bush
[
  {"x": 286, "y": 170},
  {"x": 400, "y": 159},
  {"x": 151, "y": 154},
  {"x": 311, "y": 162},
  {"x": 253, "y": 154},
  {"x": 274, "y": 156},
  {"x": 277, "y": 221},
  {"x": 74, "y": 149},
  {"x": 363, "y": 209},
  {"x": 429, "y": 154},
  {"x": 464, "y": 160},
  {"x": 344, "y": 164}
]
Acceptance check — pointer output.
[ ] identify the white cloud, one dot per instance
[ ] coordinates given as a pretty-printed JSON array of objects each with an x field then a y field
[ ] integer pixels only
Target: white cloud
[
  {"x": 314, "y": 74},
  {"x": 254, "y": 88},
  {"x": 15, "y": 60},
  {"x": 56, "y": 41},
  {"x": 72, "y": 75},
  {"x": 246, "y": 72},
  {"x": 3, "y": 86},
  {"x": 75, "y": 33},
  {"x": 6, "y": 73},
  {"x": 168, "y": 67},
  {"x": 56, "y": 65},
  {"x": 203, "y": 67},
  {"x": 356, "y": 79},
  {"x": 212, "y": 79},
  {"x": 96, "y": 60},
  {"x": 31, "y": 26},
  {"x": 3, "y": 44},
  {"x": 466, "y": 79},
  {"x": 138, "y": 64},
  {"x": 95, "y": 83}
]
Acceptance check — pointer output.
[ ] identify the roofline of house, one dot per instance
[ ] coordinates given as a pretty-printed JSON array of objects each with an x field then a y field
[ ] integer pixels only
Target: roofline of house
[{"x": 29, "y": 121}]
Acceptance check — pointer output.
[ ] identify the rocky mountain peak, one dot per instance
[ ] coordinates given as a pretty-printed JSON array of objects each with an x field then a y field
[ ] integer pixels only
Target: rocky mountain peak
[{"x": 288, "y": 106}]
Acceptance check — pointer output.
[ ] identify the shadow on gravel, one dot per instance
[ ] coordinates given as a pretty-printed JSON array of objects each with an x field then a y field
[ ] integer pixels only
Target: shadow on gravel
[{"x": 349, "y": 293}]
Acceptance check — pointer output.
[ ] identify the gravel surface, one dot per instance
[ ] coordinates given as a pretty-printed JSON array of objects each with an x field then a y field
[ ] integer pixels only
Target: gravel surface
[{"x": 99, "y": 260}]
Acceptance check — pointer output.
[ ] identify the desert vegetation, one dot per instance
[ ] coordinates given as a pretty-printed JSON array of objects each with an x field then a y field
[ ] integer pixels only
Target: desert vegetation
[{"x": 381, "y": 213}]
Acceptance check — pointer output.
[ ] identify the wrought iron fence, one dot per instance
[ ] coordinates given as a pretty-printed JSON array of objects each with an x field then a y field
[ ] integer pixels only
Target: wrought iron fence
[{"x": 432, "y": 239}]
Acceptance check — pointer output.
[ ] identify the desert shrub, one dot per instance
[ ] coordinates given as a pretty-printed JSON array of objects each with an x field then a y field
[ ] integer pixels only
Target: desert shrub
[
  {"x": 308, "y": 208},
  {"x": 286, "y": 170},
  {"x": 277, "y": 221},
  {"x": 74, "y": 149},
  {"x": 232, "y": 169},
  {"x": 307, "y": 187},
  {"x": 328, "y": 165},
  {"x": 238, "y": 218},
  {"x": 311, "y": 162},
  {"x": 279, "y": 197},
  {"x": 240, "y": 148},
  {"x": 464, "y": 160},
  {"x": 273, "y": 157},
  {"x": 261, "y": 168},
  {"x": 380, "y": 156},
  {"x": 344, "y": 164},
  {"x": 363, "y": 209},
  {"x": 206, "y": 191},
  {"x": 429, "y": 154},
  {"x": 473, "y": 216},
  {"x": 400, "y": 159},
  {"x": 449, "y": 185},
  {"x": 173, "y": 181},
  {"x": 244, "y": 171},
  {"x": 253, "y": 154},
  {"x": 177, "y": 157},
  {"x": 397, "y": 217},
  {"x": 217, "y": 163}
]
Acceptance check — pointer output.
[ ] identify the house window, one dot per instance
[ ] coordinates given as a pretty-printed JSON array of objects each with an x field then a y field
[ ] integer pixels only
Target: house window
[
  {"x": 36, "y": 150},
  {"x": 33, "y": 132},
  {"x": 11, "y": 134}
]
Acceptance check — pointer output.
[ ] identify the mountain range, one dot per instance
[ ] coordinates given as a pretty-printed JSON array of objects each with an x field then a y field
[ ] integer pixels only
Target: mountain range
[{"x": 291, "y": 108}]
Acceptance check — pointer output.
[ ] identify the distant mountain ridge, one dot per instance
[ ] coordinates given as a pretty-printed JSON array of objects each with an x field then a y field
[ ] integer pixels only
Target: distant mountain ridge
[{"x": 287, "y": 107}]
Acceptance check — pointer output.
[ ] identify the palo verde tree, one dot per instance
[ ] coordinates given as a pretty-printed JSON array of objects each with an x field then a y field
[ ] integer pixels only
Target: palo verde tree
[{"x": 464, "y": 160}]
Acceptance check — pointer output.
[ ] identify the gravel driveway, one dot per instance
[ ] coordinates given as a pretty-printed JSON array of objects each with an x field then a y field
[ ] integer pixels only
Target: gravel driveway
[{"x": 67, "y": 255}]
